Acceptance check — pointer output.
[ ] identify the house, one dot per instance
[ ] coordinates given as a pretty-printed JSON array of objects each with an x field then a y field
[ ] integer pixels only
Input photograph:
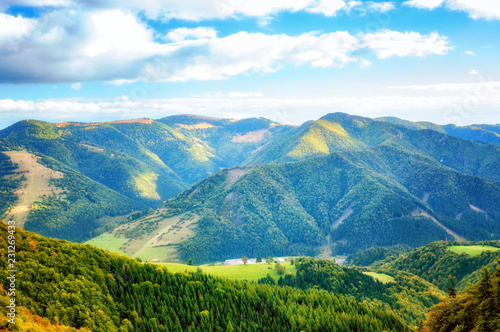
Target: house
[{"x": 280, "y": 260}]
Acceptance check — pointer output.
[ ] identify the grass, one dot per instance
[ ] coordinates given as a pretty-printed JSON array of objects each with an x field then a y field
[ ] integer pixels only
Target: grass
[
  {"x": 471, "y": 250},
  {"x": 160, "y": 244},
  {"x": 148, "y": 254},
  {"x": 109, "y": 242},
  {"x": 380, "y": 277},
  {"x": 35, "y": 186},
  {"x": 250, "y": 272}
]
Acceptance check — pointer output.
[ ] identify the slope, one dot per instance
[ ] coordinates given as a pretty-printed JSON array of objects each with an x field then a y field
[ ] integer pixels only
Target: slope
[
  {"x": 395, "y": 196},
  {"x": 435, "y": 263},
  {"x": 481, "y": 133},
  {"x": 343, "y": 132},
  {"x": 81, "y": 286}
]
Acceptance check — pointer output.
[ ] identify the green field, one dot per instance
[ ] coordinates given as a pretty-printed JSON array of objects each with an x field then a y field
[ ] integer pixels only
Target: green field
[
  {"x": 380, "y": 277},
  {"x": 471, "y": 250},
  {"x": 250, "y": 272},
  {"x": 149, "y": 254},
  {"x": 109, "y": 242}
]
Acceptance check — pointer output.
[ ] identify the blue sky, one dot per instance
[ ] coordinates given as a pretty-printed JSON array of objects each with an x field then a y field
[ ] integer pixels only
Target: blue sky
[{"x": 287, "y": 60}]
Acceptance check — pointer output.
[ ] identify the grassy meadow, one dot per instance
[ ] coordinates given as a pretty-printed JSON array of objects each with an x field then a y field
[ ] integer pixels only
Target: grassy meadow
[
  {"x": 250, "y": 272},
  {"x": 471, "y": 250}
]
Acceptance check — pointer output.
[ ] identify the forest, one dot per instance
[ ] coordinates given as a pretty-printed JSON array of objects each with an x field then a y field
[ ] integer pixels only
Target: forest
[{"x": 84, "y": 287}]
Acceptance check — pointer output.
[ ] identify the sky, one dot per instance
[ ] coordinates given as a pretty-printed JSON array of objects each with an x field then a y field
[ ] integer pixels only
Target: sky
[{"x": 286, "y": 60}]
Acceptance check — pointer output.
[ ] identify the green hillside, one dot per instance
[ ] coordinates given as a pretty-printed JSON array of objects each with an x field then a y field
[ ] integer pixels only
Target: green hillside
[
  {"x": 478, "y": 133},
  {"x": 437, "y": 261},
  {"x": 382, "y": 196},
  {"x": 81, "y": 286},
  {"x": 404, "y": 294},
  {"x": 344, "y": 132},
  {"x": 114, "y": 168}
]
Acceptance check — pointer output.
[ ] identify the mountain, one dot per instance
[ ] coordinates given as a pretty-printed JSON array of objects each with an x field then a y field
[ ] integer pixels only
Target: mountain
[
  {"x": 82, "y": 176},
  {"x": 481, "y": 133},
  {"x": 83, "y": 287},
  {"x": 340, "y": 183},
  {"x": 371, "y": 183}
]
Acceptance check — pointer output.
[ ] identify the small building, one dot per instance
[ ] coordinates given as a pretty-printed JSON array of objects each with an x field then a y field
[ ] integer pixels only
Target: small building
[{"x": 280, "y": 260}]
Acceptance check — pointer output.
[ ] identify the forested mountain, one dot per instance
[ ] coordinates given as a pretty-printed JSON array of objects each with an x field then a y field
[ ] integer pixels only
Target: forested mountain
[
  {"x": 82, "y": 175},
  {"x": 81, "y": 286},
  {"x": 481, "y": 133},
  {"x": 435, "y": 263},
  {"x": 383, "y": 196},
  {"x": 342, "y": 182}
]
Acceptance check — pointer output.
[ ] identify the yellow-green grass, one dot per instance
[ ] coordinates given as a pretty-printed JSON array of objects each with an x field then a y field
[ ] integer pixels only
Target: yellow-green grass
[
  {"x": 109, "y": 242},
  {"x": 380, "y": 277},
  {"x": 34, "y": 187},
  {"x": 153, "y": 254},
  {"x": 471, "y": 250},
  {"x": 250, "y": 272},
  {"x": 160, "y": 244}
]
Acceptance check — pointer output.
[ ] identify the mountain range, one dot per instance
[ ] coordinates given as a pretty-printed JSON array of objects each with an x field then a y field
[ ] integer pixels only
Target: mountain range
[{"x": 252, "y": 187}]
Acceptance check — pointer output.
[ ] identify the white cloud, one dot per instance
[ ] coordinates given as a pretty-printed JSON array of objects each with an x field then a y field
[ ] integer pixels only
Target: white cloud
[
  {"x": 246, "y": 94},
  {"x": 487, "y": 85},
  {"x": 424, "y": 4},
  {"x": 14, "y": 27},
  {"x": 364, "y": 63},
  {"x": 458, "y": 108},
  {"x": 488, "y": 9},
  {"x": 473, "y": 72},
  {"x": 380, "y": 6},
  {"x": 67, "y": 46},
  {"x": 76, "y": 86},
  {"x": 393, "y": 43},
  {"x": 180, "y": 34},
  {"x": 468, "y": 52},
  {"x": 327, "y": 7}
]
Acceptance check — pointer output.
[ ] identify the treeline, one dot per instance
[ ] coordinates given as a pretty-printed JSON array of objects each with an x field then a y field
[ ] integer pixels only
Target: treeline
[
  {"x": 378, "y": 255},
  {"x": 7, "y": 186},
  {"x": 408, "y": 296},
  {"x": 81, "y": 286},
  {"x": 435, "y": 263},
  {"x": 476, "y": 309}
]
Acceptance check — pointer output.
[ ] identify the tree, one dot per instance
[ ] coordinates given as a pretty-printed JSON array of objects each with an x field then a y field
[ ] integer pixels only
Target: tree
[
  {"x": 280, "y": 268},
  {"x": 452, "y": 291},
  {"x": 198, "y": 270},
  {"x": 190, "y": 261},
  {"x": 269, "y": 260},
  {"x": 292, "y": 261},
  {"x": 259, "y": 259},
  {"x": 244, "y": 259}
]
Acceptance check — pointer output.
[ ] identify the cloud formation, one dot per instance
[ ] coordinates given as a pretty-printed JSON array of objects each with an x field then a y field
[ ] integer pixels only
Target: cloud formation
[
  {"x": 403, "y": 44},
  {"x": 477, "y": 9},
  {"x": 68, "y": 46},
  {"x": 444, "y": 108}
]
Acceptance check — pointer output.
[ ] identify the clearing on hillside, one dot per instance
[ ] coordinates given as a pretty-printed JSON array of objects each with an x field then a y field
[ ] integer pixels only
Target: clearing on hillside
[
  {"x": 472, "y": 250},
  {"x": 380, "y": 277},
  {"x": 34, "y": 187},
  {"x": 250, "y": 272},
  {"x": 153, "y": 238}
]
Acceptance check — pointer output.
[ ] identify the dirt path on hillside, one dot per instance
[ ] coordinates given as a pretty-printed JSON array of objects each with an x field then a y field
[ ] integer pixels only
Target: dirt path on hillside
[
  {"x": 34, "y": 187},
  {"x": 419, "y": 212}
]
